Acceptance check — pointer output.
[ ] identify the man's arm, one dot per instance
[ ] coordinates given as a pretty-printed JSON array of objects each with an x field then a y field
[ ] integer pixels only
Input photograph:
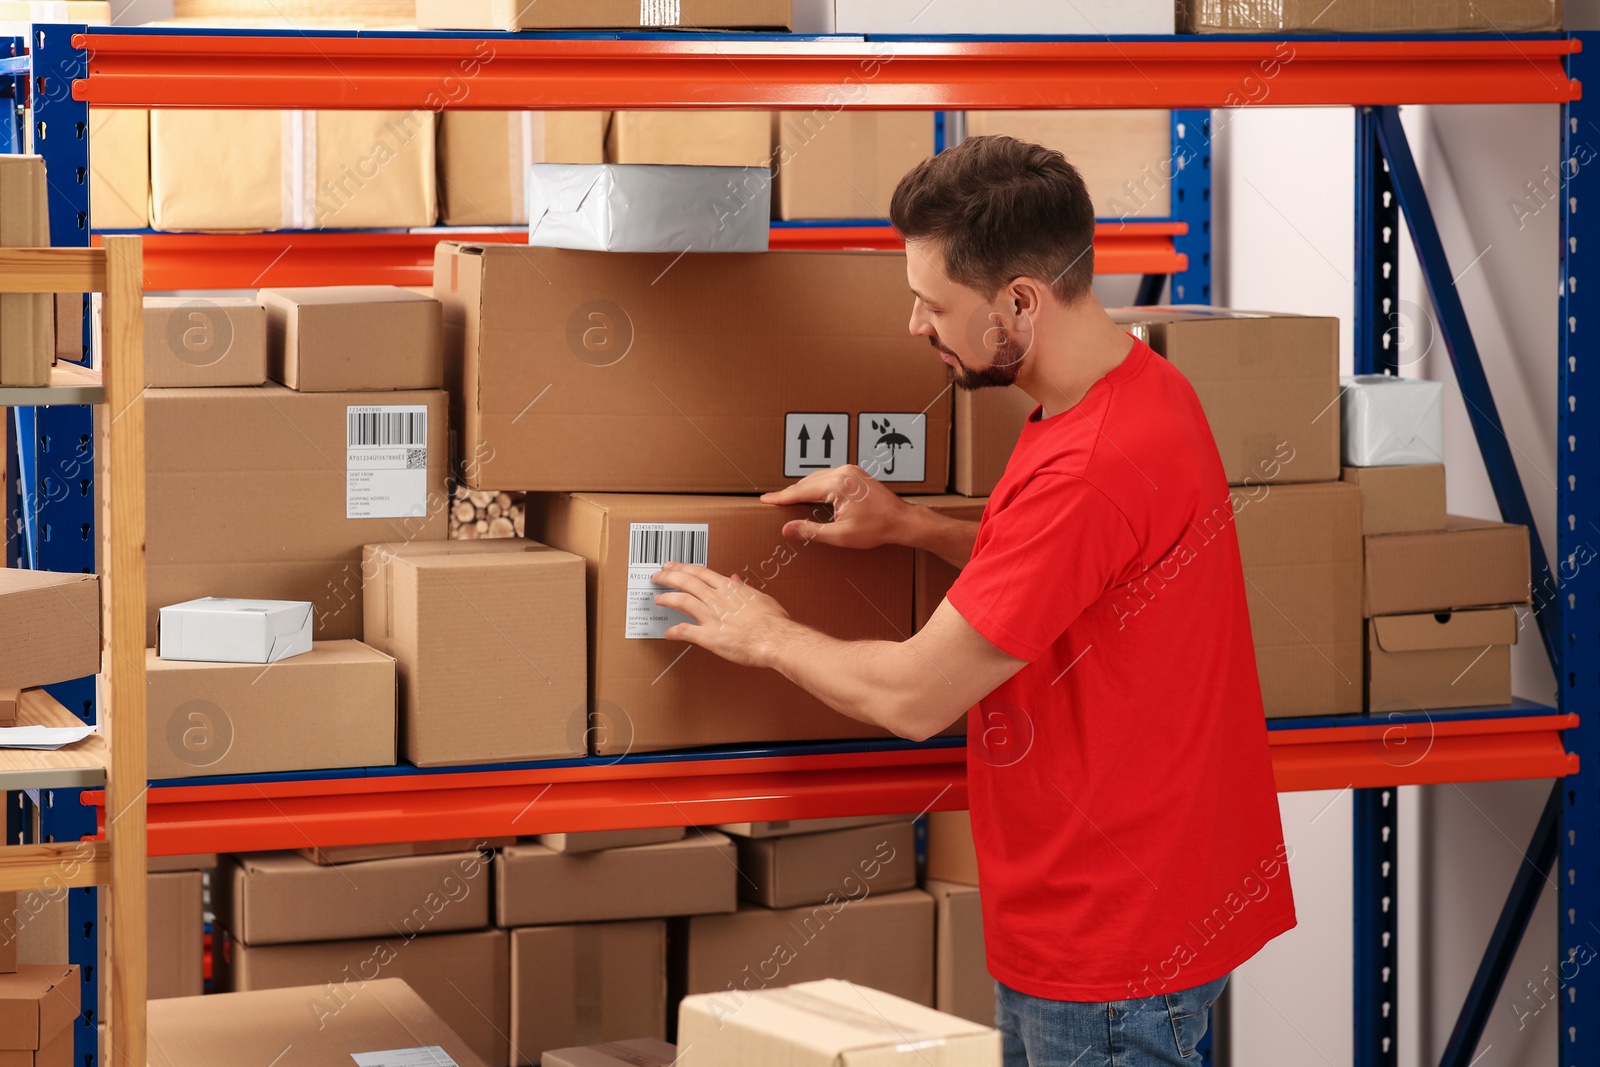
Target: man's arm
[{"x": 866, "y": 514}]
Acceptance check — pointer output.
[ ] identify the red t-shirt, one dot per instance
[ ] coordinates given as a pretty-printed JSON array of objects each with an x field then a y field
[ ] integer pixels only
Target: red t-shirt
[{"x": 1122, "y": 796}]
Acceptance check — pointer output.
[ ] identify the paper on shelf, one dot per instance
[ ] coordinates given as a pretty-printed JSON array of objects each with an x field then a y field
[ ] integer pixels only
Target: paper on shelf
[{"x": 42, "y": 738}]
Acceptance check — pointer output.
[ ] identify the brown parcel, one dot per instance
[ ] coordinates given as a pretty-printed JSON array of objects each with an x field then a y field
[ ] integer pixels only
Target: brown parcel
[
  {"x": 49, "y": 627},
  {"x": 952, "y": 856},
  {"x": 637, "y": 1052},
  {"x": 341, "y": 854},
  {"x": 119, "y": 168},
  {"x": 1125, "y": 157},
  {"x": 932, "y": 577},
  {"x": 987, "y": 425},
  {"x": 785, "y": 827},
  {"x": 582, "y": 984},
  {"x": 1370, "y": 16},
  {"x": 537, "y": 886},
  {"x": 462, "y": 977},
  {"x": 645, "y": 697},
  {"x": 787, "y": 872},
  {"x": 27, "y": 320},
  {"x": 595, "y": 840},
  {"x": 1471, "y": 563},
  {"x": 1301, "y": 548},
  {"x": 961, "y": 982},
  {"x": 176, "y": 913},
  {"x": 483, "y": 156},
  {"x": 600, "y": 15},
  {"x": 248, "y": 496},
  {"x": 277, "y": 898},
  {"x": 38, "y": 1004},
  {"x": 691, "y": 138},
  {"x": 1458, "y": 659},
  {"x": 214, "y": 341},
  {"x": 332, "y": 338},
  {"x": 882, "y": 941},
  {"x": 1400, "y": 499},
  {"x": 12, "y": 922},
  {"x": 845, "y": 164},
  {"x": 10, "y": 699},
  {"x": 658, "y": 376},
  {"x": 233, "y": 1028},
  {"x": 327, "y": 708}
]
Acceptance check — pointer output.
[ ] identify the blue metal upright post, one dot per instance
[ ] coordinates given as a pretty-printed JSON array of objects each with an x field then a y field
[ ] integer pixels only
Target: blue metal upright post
[
  {"x": 1191, "y": 203},
  {"x": 1377, "y": 254},
  {"x": 63, "y": 818}
]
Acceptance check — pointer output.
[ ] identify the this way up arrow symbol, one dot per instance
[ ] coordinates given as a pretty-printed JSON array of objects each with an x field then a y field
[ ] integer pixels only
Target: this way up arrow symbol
[
  {"x": 827, "y": 443},
  {"x": 805, "y": 438}
]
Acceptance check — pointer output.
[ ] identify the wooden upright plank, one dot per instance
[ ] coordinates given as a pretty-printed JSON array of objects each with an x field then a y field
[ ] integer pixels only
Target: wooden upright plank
[{"x": 51, "y": 270}]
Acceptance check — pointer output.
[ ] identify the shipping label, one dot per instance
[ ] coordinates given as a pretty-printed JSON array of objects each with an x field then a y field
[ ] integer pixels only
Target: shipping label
[
  {"x": 650, "y": 544},
  {"x": 660, "y": 13},
  {"x": 386, "y": 462}
]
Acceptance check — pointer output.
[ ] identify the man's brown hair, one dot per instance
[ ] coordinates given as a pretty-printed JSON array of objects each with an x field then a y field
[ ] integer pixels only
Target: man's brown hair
[{"x": 999, "y": 209}]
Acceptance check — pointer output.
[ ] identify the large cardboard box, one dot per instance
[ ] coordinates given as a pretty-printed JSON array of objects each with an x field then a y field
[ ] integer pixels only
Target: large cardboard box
[
  {"x": 1458, "y": 659},
  {"x": 785, "y": 827},
  {"x": 38, "y": 1005},
  {"x": 1471, "y": 563},
  {"x": 1269, "y": 384},
  {"x": 278, "y": 898},
  {"x": 270, "y": 494},
  {"x": 1400, "y": 499},
  {"x": 235, "y": 1027},
  {"x": 27, "y": 320},
  {"x": 176, "y": 932},
  {"x": 331, "y": 707},
  {"x": 1368, "y": 16},
  {"x": 49, "y": 627},
  {"x": 650, "y": 373},
  {"x": 883, "y": 941},
  {"x": 635, "y": 1052},
  {"x": 845, "y": 164},
  {"x": 790, "y": 871},
  {"x": 1094, "y": 18},
  {"x": 333, "y": 338},
  {"x": 952, "y": 857},
  {"x": 595, "y": 840},
  {"x": 587, "y": 983},
  {"x": 119, "y": 168},
  {"x": 1301, "y": 548},
  {"x": 601, "y": 15},
  {"x": 539, "y": 886},
  {"x": 488, "y": 637},
  {"x": 649, "y": 693},
  {"x": 195, "y": 342},
  {"x": 1125, "y": 157},
  {"x": 932, "y": 577},
  {"x": 987, "y": 424},
  {"x": 961, "y": 982},
  {"x": 463, "y": 977},
  {"x": 484, "y": 158},
  {"x": 691, "y": 138}
]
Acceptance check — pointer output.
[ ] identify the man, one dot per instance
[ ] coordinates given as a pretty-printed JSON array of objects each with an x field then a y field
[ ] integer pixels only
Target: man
[{"x": 1130, "y": 851}]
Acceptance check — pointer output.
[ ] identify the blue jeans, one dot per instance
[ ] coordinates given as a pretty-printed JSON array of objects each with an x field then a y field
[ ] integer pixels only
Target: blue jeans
[{"x": 1158, "y": 1031}]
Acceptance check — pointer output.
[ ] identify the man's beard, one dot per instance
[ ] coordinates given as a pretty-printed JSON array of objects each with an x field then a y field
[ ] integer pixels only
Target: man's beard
[{"x": 1002, "y": 372}]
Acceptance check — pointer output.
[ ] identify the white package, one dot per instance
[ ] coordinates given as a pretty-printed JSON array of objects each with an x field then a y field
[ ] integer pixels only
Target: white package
[
  {"x": 1391, "y": 422},
  {"x": 633, "y": 207},
  {"x": 922, "y": 17},
  {"x": 222, "y": 630}
]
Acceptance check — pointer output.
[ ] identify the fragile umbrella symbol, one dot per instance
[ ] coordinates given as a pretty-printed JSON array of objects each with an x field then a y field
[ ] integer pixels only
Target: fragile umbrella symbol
[{"x": 892, "y": 439}]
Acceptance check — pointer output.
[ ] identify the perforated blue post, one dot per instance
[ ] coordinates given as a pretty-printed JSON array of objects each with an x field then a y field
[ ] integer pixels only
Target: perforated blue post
[
  {"x": 1191, "y": 203},
  {"x": 63, "y": 818}
]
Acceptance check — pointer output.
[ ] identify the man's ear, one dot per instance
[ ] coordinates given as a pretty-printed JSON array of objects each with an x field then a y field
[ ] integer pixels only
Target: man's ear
[{"x": 1025, "y": 296}]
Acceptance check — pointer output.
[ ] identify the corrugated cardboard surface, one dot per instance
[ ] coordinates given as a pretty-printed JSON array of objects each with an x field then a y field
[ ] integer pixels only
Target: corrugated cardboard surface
[
  {"x": 11, "y": 923},
  {"x": 463, "y": 977},
  {"x": 845, "y": 164},
  {"x": 579, "y": 985},
  {"x": 537, "y": 885},
  {"x": 928, "y": 17},
  {"x": 342, "y": 854},
  {"x": 200, "y": 861},
  {"x": 275, "y": 898},
  {"x": 637, "y": 1052},
  {"x": 481, "y": 157},
  {"x": 37, "y": 1002},
  {"x": 961, "y": 982},
  {"x": 879, "y": 941},
  {"x": 488, "y": 637},
  {"x": 1471, "y": 563},
  {"x": 330, "y": 707},
  {"x": 49, "y": 627},
  {"x": 784, "y": 827},
  {"x": 952, "y": 857},
  {"x": 1400, "y": 499},
  {"x": 246, "y": 497},
  {"x": 119, "y": 168},
  {"x": 644, "y": 696},
  {"x": 651, "y": 373},
  {"x": 985, "y": 431},
  {"x": 598, "y": 14},
  {"x": 233, "y": 1028},
  {"x": 933, "y": 577},
  {"x": 787, "y": 872},
  {"x": 352, "y": 337},
  {"x": 690, "y": 138},
  {"x": 1452, "y": 660},
  {"x": 202, "y": 342},
  {"x": 595, "y": 840},
  {"x": 27, "y": 320},
  {"x": 1371, "y": 16},
  {"x": 1301, "y": 548},
  {"x": 1125, "y": 157},
  {"x": 176, "y": 932}
]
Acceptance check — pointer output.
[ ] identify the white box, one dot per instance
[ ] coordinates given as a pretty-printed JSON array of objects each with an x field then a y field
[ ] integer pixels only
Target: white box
[
  {"x": 923, "y": 17},
  {"x": 1391, "y": 422},
  {"x": 222, "y": 630},
  {"x": 629, "y": 207}
]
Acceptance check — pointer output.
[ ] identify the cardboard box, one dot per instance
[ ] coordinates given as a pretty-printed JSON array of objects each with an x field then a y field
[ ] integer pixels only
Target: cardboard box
[
  {"x": 601, "y": 15},
  {"x": 332, "y": 707},
  {"x": 1368, "y": 16},
  {"x": 1094, "y": 17},
  {"x": 10, "y": 700},
  {"x": 595, "y": 840},
  {"x": 638, "y": 1052},
  {"x": 845, "y": 164},
  {"x": 260, "y": 493},
  {"x": 691, "y": 138},
  {"x": 932, "y": 577},
  {"x": 484, "y": 158},
  {"x": 38, "y": 926},
  {"x": 1459, "y": 659},
  {"x": 961, "y": 983},
  {"x": 1391, "y": 422},
  {"x": 649, "y": 693},
  {"x": 235, "y": 1027},
  {"x": 791, "y": 871},
  {"x": 952, "y": 856},
  {"x": 119, "y": 168},
  {"x": 214, "y": 341},
  {"x": 38, "y": 1004},
  {"x": 223, "y": 630},
  {"x": 332, "y": 338},
  {"x": 642, "y": 208},
  {"x": 49, "y": 627},
  {"x": 94, "y": 12},
  {"x": 27, "y": 320},
  {"x": 176, "y": 931},
  {"x": 488, "y": 638},
  {"x": 1400, "y": 499},
  {"x": 1125, "y": 157},
  {"x": 586, "y": 983},
  {"x": 199, "y": 861},
  {"x": 987, "y": 424},
  {"x": 463, "y": 977},
  {"x": 1471, "y": 563},
  {"x": 785, "y": 827},
  {"x": 539, "y": 886},
  {"x": 637, "y": 374},
  {"x": 69, "y": 308},
  {"x": 1301, "y": 549},
  {"x": 341, "y": 854},
  {"x": 880, "y": 940},
  {"x": 9, "y": 930},
  {"x": 242, "y": 170},
  {"x": 278, "y": 898}
]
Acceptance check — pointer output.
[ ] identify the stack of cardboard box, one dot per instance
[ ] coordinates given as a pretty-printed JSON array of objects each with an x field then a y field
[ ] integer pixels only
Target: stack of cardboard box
[{"x": 27, "y": 320}]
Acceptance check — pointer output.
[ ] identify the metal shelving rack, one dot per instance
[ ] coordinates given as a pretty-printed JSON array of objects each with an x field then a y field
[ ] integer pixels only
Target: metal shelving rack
[{"x": 73, "y": 68}]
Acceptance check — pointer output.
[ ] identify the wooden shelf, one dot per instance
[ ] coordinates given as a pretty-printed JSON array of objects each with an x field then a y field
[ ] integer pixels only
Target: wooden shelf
[
  {"x": 69, "y": 384},
  {"x": 81, "y": 765}
]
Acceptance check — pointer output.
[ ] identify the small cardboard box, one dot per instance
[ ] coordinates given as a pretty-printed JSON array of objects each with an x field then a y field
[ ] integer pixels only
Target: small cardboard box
[
  {"x": 1471, "y": 563},
  {"x": 1458, "y": 659},
  {"x": 952, "y": 856},
  {"x": 1090, "y": 17},
  {"x": 961, "y": 983},
  {"x": 488, "y": 639},
  {"x": 334, "y": 338},
  {"x": 341, "y": 854},
  {"x": 235, "y": 1027},
  {"x": 845, "y": 164},
  {"x": 1400, "y": 499},
  {"x": 225, "y": 630},
  {"x": 1497, "y": 17},
  {"x": 331, "y": 707},
  {"x": 198, "y": 861},
  {"x": 787, "y": 872},
  {"x": 595, "y": 840},
  {"x": 176, "y": 929},
  {"x": 484, "y": 158},
  {"x": 214, "y": 341},
  {"x": 119, "y": 168},
  {"x": 588, "y": 982},
  {"x": 932, "y": 577},
  {"x": 601, "y": 15},
  {"x": 538, "y": 886},
  {"x": 1391, "y": 422},
  {"x": 10, "y": 701},
  {"x": 278, "y": 898},
  {"x": 692, "y": 139},
  {"x": 785, "y": 827},
  {"x": 49, "y": 627},
  {"x": 27, "y": 320},
  {"x": 38, "y": 1004},
  {"x": 1125, "y": 157},
  {"x": 639, "y": 208},
  {"x": 986, "y": 427},
  {"x": 637, "y": 1052}
]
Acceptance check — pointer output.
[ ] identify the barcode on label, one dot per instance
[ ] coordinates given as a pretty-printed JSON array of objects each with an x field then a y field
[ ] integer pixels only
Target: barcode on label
[
  {"x": 387, "y": 426},
  {"x": 656, "y": 544},
  {"x": 659, "y": 12}
]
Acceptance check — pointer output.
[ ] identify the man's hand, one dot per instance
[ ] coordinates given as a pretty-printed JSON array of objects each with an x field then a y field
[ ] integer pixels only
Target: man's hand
[
  {"x": 734, "y": 621},
  {"x": 866, "y": 513}
]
